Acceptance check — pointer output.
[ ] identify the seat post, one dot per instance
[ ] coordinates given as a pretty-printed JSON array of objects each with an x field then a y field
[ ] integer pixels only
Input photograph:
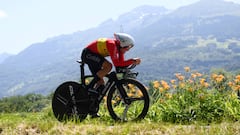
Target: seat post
[{"x": 82, "y": 72}]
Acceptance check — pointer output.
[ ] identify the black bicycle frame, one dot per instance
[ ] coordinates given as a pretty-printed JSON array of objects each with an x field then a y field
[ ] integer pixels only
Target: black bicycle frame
[{"x": 112, "y": 81}]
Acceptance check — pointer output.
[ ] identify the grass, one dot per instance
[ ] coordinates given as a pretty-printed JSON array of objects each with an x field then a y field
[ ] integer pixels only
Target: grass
[{"x": 46, "y": 124}]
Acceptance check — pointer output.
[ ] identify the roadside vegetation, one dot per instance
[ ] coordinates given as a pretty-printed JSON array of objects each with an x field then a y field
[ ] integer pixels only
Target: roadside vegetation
[{"x": 192, "y": 103}]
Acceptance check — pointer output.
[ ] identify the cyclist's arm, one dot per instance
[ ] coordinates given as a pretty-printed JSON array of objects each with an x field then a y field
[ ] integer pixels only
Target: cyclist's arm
[{"x": 117, "y": 57}]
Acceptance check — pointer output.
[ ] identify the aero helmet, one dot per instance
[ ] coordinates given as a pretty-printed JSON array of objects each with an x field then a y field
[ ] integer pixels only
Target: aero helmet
[{"x": 125, "y": 39}]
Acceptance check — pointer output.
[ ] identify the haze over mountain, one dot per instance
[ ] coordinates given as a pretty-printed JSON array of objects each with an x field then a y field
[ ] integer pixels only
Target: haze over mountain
[
  {"x": 4, "y": 56},
  {"x": 203, "y": 35}
]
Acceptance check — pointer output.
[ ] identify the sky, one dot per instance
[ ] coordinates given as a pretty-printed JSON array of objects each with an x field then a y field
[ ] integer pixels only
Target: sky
[{"x": 25, "y": 22}]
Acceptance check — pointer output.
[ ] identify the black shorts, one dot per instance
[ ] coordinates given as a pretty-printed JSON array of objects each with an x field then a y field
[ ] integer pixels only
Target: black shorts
[{"x": 93, "y": 60}]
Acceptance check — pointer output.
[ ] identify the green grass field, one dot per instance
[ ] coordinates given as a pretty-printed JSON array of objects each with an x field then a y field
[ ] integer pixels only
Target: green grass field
[{"x": 45, "y": 123}]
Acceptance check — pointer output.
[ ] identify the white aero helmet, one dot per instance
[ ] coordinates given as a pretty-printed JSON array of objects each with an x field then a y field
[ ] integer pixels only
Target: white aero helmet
[{"x": 125, "y": 39}]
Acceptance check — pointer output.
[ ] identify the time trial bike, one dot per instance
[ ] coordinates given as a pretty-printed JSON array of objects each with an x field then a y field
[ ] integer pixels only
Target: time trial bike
[{"x": 127, "y": 99}]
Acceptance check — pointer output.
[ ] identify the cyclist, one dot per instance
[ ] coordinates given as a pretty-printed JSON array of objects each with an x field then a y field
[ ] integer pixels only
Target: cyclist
[{"x": 94, "y": 55}]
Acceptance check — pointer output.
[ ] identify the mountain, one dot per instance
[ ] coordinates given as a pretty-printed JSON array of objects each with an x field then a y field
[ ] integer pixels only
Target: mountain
[
  {"x": 206, "y": 8},
  {"x": 4, "y": 56},
  {"x": 203, "y": 35}
]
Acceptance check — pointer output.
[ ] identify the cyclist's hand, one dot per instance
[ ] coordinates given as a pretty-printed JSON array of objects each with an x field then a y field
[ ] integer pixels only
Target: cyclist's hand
[{"x": 137, "y": 61}]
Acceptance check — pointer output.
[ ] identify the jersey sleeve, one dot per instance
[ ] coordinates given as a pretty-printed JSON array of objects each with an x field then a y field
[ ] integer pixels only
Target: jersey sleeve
[{"x": 117, "y": 57}]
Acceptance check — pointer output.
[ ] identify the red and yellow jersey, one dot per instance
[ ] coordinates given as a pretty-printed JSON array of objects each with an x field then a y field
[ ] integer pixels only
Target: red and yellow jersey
[{"x": 109, "y": 47}]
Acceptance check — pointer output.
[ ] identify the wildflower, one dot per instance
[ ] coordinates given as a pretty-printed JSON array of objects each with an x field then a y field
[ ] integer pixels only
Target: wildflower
[
  {"x": 206, "y": 85},
  {"x": 236, "y": 88},
  {"x": 156, "y": 84},
  {"x": 161, "y": 89},
  {"x": 187, "y": 69},
  {"x": 190, "y": 89},
  {"x": 174, "y": 86},
  {"x": 202, "y": 81},
  {"x": 190, "y": 81},
  {"x": 179, "y": 77},
  {"x": 230, "y": 84},
  {"x": 238, "y": 78},
  {"x": 139, "y": 93},
  {"x": 193, "y": 75},
  {"x": 214, "y": 76},
  {"x": 219, "y": 78},
  {"x": 133, "y": 90},
  {"x": 168, "y": 95},
  {"x": 113, "y": 101},
  {"x": 165, "y": 85},
  {"x": 173, "y": 81},
  {"x": 198, "y": 74},
  {"x": 181, "y": 85},
  {"x": 130, "y": 94},
  {"x": 131, "y": 86},
  {"x": 87, "y": 81}
]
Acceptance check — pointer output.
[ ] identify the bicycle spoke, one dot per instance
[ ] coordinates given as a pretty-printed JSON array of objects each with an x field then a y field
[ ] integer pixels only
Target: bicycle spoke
[
  {"x": 124, "y": 117},
  {"x": 135, "y": 99}
]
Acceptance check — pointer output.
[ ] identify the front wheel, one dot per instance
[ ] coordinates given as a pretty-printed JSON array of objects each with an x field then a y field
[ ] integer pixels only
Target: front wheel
[{"x": 137, "y": 99}]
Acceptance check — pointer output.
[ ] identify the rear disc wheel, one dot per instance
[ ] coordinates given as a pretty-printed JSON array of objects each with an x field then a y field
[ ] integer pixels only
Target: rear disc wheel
[{"x": 70, "y": 101}]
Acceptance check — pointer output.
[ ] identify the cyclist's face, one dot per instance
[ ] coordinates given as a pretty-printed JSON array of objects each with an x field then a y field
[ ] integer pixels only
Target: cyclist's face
[{"x": 124, "y": 49}]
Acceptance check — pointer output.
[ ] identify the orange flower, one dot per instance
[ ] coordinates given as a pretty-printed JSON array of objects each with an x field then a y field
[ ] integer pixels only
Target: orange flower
[
  {"x": 236, "y": 88},
  {"x": 237, "y": 78},
  {"x": 168, "y": 95},
  {"x": 179, "y": 76},
  {"x": 165, "y": 85},
  {"x": 206, "y": 85},
  {"x": 173, "y": 81},
  {"x": 187, "y": 69},
  {"x": 202, "y": 81},
  {"x": 198, "y": 74},
  {"x": 130, "y": 94},
  {"x": 156, "y": 84},
  {"x": 131, "y": 86},
  {"x": 181, "y": 85},
  {"x": 139, "y": 93},
  {"x": 161, "y": 89},
  {"x": 230, "y": 84},
  {"x": 219, "y": 78},
  {"x": 214, "y": 76},
  {"x": 193, "y": 75}
]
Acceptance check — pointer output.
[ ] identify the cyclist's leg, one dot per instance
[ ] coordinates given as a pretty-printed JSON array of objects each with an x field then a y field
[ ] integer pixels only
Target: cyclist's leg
[
  {"x": 105, "y": 69},
  {"x": 94, "y": 62}
]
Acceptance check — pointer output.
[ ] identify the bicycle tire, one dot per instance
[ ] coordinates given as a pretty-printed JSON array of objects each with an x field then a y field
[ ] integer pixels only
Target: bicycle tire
[
  {"x": 62, "y": 102},
  {"x": 136, "y": 92}
]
